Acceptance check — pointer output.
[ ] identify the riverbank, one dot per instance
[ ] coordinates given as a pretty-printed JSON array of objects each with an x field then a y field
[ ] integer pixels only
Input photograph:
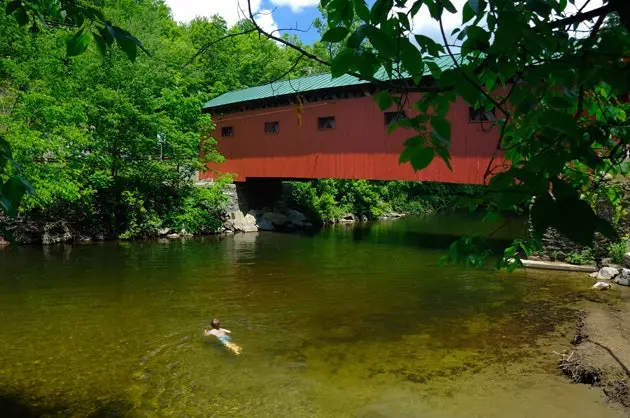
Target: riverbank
[{"x": 599, "y": 350}]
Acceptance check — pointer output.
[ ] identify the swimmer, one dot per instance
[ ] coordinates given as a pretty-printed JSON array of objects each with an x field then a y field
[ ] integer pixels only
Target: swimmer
[{"x": 222, "y": 335}]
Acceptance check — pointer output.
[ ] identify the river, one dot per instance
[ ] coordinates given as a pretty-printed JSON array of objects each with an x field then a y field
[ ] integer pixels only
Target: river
[{"x": 346, "y": 322}]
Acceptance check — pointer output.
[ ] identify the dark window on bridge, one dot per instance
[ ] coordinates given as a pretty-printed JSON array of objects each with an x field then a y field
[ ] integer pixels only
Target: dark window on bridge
[
  {"x": 227, "y": 131},
  {"x": 327, "y": 122},
  {"x": 481, "y": 115},
  {"x": 391, "y": 117},
  {"x": 272, "y": 127}
]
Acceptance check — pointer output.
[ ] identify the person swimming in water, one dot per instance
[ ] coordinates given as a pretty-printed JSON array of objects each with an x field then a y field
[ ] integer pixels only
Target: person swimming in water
[{"x": 222, "y": 335}]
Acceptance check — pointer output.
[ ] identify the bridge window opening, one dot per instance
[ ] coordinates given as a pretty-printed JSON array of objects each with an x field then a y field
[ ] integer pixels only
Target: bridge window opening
[
  {"x": 227, "y": 131},
  {"x": 327, "y": 122},
  {"x": 272, "y": 128},
  {"x": 391, "y": 117},
  {"x": 481, "y": 115}
]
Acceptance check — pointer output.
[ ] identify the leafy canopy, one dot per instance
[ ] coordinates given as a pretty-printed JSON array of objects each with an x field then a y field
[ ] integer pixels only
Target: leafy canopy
[{"x": 557, "y": 78}]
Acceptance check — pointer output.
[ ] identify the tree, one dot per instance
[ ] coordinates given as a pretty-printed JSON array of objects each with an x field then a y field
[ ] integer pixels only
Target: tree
[{"x": 555, "y": 75}]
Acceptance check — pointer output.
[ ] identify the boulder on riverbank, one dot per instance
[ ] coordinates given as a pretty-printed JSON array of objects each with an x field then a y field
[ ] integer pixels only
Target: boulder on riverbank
[
  {"x": 277, "y": 219},
  {"x": 623, "y": 278},
  {"x": 348, "y": 218},
  {"x": 237, "y": 222},
  {"x": 606, "y": 273}
]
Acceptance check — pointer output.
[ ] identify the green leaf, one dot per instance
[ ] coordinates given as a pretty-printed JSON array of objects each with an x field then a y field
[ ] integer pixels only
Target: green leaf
[
  {"x": 100, "y": 43},
  {"x": 21, "y": 16},
  {"x": 384, "y": 99},
  {"x": 11, "y": 194},
  {"x": 467, "y": 13},
  {"x": 77, "y": 44},
  {"x": 429, "y": 45},
  {"x": 129, "y": 46},
  {"x": 356, "y": 39},
  {"x": 469, "y": 92},
  {"x": 380, "y": 40},
  {"x": 477, "y": 6},
  {"x": 415, "y": 8},
  {"x": 342, "y": 62},
  {"x": 335, "y": 34},
  {"x": 441, "y": 146},
  {"x": 107, "y": 36},
  {"x": 411, "y": 57},
  {"x": 419, "y": 157},
  {"x": 362, "y": 10},
  {"x": 380, "y": 10},
  {"x": 441, "y": 126},
  {"x": 5, "y": 153},
  {"x": 13, "y": 6},
  {"x": 448, "y": 6}
]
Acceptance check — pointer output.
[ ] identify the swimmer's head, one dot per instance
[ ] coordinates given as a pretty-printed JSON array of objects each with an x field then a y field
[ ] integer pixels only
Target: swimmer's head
[{"x": 215, "y": 323}]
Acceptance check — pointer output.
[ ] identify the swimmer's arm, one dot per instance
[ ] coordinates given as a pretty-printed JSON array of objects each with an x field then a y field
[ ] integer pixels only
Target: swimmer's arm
[{"x": 227, "y": 331}]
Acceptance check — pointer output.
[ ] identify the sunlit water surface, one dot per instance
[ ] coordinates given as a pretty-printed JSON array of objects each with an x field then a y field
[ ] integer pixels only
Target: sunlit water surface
[{"x": 347, "y": 322}]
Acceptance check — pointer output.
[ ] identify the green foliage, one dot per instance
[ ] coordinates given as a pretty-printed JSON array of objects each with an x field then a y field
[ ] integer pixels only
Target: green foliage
[
  {"x": 142, "y": 222},
  {"x": 110, "y": 139},
  {"x": 581, "y": 258},
  {"x": 328, "y": 200},
  {"x": 562, "y": 127},
  {"x": 617, "y": 250},
  {"x": 200, "y": 210}
]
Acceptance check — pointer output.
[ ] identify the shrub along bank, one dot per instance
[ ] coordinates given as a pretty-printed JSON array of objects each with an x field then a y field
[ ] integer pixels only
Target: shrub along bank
[{"x": 328, "y": 200}]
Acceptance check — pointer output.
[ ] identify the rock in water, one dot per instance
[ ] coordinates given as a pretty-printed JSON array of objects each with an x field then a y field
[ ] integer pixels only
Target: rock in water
[
  {"x": 349, "y": 217},
  {"x": 295, "y": 217},
  {"x": 623, "y": 278},
  {"x": 607, "y": 273},
  {"x": 601, "y": 286},
  {"x": 265, "y": 225},
  {"x": 277, "y": 219},
  {"x": 626, "y": 260}
]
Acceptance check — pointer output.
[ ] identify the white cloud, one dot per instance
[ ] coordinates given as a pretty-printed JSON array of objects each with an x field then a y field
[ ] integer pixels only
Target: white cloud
[
  {"x": 423, "y": 22},
  {"x": 230, "y": 10},
  {"x": 295, "y": 5}
]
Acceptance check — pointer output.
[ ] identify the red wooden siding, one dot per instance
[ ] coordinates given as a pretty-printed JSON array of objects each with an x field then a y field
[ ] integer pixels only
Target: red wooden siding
[{"x": 359, "y": 146}]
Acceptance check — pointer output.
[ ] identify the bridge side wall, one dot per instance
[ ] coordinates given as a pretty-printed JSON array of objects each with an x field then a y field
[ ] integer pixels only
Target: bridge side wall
[{"x": 359, "y": 146}]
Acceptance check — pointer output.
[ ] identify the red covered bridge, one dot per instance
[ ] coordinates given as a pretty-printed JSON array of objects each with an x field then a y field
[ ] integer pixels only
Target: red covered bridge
[{"x": 339, "y": 133}]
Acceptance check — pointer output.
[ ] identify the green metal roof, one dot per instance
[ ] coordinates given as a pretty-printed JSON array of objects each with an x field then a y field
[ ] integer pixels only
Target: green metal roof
[{"x": 300, "y": 85}]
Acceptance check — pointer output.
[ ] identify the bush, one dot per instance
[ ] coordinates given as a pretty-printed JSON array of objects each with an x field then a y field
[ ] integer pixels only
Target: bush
[
  {"x": 581, "y": 258},
  {"x": 200, "y": 210},
  {"x": 327, "y": 200},
  {"x": 617, "y": 250},
  {"x": 141, "y": 222}
]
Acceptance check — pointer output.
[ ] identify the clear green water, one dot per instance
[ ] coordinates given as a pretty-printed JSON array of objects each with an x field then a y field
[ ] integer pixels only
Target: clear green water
[{"x": 356, "y": 322}]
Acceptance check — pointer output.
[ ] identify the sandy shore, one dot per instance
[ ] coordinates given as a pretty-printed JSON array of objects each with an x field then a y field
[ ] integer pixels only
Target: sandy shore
[{"x": 599, "y": 354}]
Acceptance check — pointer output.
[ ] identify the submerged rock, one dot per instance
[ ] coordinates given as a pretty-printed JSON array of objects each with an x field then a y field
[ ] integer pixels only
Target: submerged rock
[
  {"x": 173, "y": 236},
  {"x": 601, "y": 286}
]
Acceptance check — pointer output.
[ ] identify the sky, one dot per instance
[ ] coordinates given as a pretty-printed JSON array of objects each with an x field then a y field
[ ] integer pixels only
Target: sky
[{"x": 284, "y": 15}]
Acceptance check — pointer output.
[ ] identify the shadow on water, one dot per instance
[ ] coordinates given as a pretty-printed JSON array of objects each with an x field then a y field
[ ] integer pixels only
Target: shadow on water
[{"x": 21, "y": 405}]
